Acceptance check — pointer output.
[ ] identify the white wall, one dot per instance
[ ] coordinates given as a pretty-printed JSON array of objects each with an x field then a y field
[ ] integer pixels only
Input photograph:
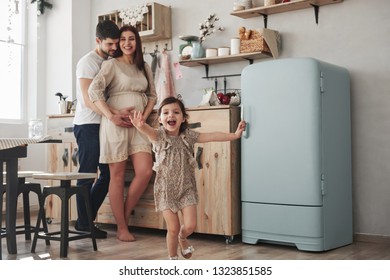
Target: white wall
[
  {"x": 353, "y": 34},
  {"x": 59, "y": 62}
]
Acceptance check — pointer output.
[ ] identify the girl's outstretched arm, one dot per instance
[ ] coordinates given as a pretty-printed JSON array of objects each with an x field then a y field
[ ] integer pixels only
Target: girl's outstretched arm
[
  {"x": 222, "y": 136},
  {"x": 138, "y": 121}
]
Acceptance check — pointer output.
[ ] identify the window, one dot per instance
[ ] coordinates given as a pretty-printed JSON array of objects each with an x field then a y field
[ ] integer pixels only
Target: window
[{"x": 12, "y": 14}]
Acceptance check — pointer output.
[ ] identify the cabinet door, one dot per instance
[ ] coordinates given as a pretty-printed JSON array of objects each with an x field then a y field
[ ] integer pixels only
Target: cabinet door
[
  {"x": 217, "y": 174},
  {"x": 62, "y": 158}
]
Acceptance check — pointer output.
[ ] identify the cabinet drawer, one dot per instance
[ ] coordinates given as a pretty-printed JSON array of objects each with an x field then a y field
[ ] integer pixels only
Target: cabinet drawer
[
  {"x": 143, "y": 215},
  {"x": 61, "y": 128}
]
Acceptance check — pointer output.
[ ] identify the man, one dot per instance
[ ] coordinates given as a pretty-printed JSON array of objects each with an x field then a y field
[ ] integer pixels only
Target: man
[{"x": 87, "y": 121}]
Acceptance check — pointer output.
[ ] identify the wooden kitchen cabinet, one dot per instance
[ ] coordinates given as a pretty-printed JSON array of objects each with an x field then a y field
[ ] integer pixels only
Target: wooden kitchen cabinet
[
  {"x": 62, "y": 157},
  {"x": 218, "y": 172},
  {"x": 217, "y": 179}
]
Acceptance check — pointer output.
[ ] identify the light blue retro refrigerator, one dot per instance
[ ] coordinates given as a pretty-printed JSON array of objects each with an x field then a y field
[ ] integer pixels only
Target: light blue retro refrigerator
[{"x": 296, "y": 154}]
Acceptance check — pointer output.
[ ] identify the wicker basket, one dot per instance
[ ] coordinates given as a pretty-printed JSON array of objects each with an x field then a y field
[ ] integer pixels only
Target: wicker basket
[{"x": 255, "y": 43}]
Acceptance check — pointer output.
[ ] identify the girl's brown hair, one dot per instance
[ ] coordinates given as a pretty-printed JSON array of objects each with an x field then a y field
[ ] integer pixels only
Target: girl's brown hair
[{"x": 171, "y": 100}]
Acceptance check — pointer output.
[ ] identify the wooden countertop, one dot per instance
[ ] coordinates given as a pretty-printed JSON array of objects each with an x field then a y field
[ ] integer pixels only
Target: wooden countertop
[{"x": 195, "y": 108}]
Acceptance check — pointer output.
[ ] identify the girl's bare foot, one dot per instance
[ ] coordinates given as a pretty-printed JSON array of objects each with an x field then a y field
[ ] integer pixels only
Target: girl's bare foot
[{"x": 125, "y": 236}]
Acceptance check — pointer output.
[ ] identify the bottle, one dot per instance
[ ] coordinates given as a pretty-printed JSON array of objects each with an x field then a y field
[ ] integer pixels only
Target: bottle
[{"x": 35, "y": 128}]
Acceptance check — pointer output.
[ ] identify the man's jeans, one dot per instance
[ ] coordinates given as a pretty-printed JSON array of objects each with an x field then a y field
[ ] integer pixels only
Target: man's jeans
[{"x": 87, "y": 137}]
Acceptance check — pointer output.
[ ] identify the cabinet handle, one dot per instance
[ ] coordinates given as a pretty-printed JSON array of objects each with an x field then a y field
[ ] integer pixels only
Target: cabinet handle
[
  {"x": 69, "y": 129},
  {"x": 198, "y": 155},
  {"x": 74, "y": 156},
  {"x": 194, "y": 125},
  {"x": 65, "y": 157}
]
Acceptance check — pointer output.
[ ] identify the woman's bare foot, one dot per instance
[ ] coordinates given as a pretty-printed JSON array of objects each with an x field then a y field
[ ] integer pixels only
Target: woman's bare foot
[{"x": 125, "y": 236}]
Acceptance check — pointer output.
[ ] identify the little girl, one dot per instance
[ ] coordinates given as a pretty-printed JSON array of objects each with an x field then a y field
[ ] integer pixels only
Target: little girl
[{"x": 175, "y": 185}]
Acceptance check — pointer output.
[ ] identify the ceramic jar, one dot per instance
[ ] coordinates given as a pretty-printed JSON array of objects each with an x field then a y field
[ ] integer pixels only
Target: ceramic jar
[
  {"x": 235, "y": 46},
  {"x": 223, "y": 51},
  {"x": 211, "y": 52},
  {"x": 197, "y": 50}
]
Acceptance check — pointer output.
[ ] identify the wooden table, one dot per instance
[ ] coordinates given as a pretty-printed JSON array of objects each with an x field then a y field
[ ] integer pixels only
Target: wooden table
[{"x": 10, "y": 158}]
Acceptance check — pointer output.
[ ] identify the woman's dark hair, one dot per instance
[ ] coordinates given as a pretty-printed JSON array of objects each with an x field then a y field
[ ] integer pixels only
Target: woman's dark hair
[
  {"x": 171, "y": 100},
  {"x": 138, "y": 55}
]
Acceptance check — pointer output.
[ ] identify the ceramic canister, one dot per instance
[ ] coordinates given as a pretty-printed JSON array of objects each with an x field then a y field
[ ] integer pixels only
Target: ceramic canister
[
  {"x": 235, "y": 46},
  {"x": 211, "y": 52},
  {"x": 223, "y": 51}
]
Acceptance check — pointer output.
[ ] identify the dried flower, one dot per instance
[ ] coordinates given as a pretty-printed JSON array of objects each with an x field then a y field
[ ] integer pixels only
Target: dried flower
[
  {"x": 208, "y": 27},
  {"x": 133, "y": 15}
]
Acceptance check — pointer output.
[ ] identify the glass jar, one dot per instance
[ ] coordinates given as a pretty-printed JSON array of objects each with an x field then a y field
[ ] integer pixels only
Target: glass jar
[{"x": 35, "y": 128}]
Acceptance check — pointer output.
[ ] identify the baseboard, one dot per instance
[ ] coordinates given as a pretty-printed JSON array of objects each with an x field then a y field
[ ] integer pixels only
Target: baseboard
[{"x": 373, "y": 238}]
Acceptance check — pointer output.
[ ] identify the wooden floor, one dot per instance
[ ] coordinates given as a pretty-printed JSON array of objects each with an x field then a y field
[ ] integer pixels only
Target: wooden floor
[{"x": 150, "y": 245}]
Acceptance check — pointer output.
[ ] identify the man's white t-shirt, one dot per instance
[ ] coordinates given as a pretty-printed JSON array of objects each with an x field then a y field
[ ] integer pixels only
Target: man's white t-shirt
[{"x": 87, "y": 68}]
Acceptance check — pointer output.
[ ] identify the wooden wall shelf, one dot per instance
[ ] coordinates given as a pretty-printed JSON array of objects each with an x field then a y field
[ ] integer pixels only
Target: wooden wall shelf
[
  {"x": 223, "y": 59},
  {"x": 283, "y": 8}
]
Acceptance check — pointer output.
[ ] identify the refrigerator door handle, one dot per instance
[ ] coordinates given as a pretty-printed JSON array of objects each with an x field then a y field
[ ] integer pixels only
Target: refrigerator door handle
[{"x": 245, "y": 133}]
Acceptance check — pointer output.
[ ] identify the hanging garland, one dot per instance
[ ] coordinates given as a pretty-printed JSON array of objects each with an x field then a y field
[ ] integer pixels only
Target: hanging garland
[{"x": 41, "y": 5}]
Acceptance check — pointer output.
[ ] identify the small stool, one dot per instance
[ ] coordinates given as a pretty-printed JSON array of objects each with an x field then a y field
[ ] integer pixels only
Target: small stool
[
  {"x": 23, "y": 188},
  {"x": 64, "y": 192}
]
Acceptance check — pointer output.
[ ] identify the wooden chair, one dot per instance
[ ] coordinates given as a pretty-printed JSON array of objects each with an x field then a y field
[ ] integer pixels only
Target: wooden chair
[{"x": 64, "y": 191}]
